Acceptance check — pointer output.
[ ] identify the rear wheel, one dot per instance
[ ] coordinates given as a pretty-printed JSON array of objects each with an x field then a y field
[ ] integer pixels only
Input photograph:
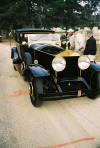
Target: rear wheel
[
  {"x": 12, "y": 56},
  {"x": 14, "y": 67},
  {"x": 36, "y": 88}
]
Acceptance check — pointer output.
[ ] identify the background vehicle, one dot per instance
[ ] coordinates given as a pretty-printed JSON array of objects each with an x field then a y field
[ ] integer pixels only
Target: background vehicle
[{"x": 53, "y": 72}]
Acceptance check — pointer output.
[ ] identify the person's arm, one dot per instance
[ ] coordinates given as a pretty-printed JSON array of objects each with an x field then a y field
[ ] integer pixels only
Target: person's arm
[{"x": 81, "y": 43}]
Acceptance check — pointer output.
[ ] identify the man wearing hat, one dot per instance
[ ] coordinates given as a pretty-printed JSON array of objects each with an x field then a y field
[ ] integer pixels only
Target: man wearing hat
[
  {"x": 77, "y": 42},
  {"x": 63, "y": 41},
  {"x": 69, "y": 35},
  {"x": 90, "y": 48}
]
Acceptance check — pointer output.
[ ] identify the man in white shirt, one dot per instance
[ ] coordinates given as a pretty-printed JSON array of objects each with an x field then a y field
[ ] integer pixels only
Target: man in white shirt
[
  {"x": 77, "y": 42},
  {"x": 69, "y": 35}
]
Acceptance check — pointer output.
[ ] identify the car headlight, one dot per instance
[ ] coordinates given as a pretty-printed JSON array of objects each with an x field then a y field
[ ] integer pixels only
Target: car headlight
[
  {"x": 58, "y": 64},
  {"x": 83, "y": 62},
  {"x": 24, "y": 43}
]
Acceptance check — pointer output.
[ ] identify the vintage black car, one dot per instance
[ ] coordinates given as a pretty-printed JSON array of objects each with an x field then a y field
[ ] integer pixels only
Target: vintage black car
[{"x": 53, "y": 72}]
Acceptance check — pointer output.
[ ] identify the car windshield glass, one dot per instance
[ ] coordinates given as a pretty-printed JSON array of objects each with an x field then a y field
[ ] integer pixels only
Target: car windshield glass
[
  {"x": 52, "y": 50},
  {"x": 42, "y": 37}
]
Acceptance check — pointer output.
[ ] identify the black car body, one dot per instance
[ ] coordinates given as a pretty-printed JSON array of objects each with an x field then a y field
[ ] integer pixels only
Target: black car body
[{"x": 53, "y": 72}]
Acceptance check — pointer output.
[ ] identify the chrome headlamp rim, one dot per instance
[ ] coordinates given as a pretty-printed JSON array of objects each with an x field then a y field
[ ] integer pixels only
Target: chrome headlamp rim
[
  {"x": 83, "y": 62},
  {"x": 24, "y": 43},
  {"x": 58, "y": 64}
]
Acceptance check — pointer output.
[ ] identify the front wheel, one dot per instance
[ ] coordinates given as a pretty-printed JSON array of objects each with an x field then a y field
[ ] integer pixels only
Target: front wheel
[{"x": 36, "y": 88}]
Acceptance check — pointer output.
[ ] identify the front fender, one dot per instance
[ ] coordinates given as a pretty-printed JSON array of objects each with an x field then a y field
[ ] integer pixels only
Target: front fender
[
  {"x": 95, "y": 66},
  {"x": 38, "y": 71}
]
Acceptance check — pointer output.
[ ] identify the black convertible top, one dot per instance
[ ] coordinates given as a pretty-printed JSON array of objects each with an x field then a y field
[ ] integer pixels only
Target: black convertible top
[{"x": 36, "y": 30}]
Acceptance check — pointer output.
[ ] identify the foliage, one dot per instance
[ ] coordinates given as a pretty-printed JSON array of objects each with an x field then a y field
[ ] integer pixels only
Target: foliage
[{"x": 45, "y": 13}]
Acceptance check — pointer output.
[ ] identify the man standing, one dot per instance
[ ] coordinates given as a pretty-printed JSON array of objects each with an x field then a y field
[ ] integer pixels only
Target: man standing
[
  {"x": 91, "y": 47},
  {"x": 77, "y": 41},
  {"x": 69, "y": 35},
  {"x": 63, "y": 41}
]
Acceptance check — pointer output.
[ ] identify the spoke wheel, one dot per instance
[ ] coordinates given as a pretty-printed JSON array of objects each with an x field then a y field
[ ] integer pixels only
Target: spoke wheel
[
  {"x": 36, "y": 88},
  {"x": 14, "y": 67}
]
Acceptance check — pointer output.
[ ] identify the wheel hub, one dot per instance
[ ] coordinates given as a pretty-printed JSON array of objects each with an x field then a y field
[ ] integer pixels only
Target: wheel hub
[{"x": 31, "y": 89}]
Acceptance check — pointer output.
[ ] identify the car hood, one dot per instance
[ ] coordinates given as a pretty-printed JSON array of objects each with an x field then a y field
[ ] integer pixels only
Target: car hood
[
  {"x": 68, "y": 53},
  {"x": 42, "y": 45}
]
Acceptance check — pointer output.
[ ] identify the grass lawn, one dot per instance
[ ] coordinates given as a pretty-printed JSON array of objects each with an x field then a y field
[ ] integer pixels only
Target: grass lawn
[{"x": 98, "y": 53}]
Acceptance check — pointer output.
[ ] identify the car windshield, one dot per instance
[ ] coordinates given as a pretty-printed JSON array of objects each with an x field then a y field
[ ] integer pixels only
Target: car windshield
[{"x": 44, "y": 38}]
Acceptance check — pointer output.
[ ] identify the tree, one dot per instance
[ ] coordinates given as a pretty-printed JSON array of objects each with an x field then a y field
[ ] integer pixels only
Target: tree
[
  {"x": 13, "y": 14},
  {"x": 45, "y": 13}
]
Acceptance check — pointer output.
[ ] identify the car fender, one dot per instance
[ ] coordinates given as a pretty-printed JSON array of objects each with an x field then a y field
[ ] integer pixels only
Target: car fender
[
  {"x": 38, "y": 71},
  {"x": 14, "y": 56},
  {"x": 95, "y": 66}
]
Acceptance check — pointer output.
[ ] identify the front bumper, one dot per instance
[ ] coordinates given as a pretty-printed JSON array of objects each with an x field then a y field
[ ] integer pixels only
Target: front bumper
[
  {"x": 59, "y": 96},
  {"x": 67, "y": 88}
]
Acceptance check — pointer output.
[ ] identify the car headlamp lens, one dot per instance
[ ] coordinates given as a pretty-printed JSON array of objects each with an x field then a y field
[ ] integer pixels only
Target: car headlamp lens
[
  {"x": 24, "y": 43},
  {"x": 58, "y": 64},
  {"x": 83, "y": 62}
]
